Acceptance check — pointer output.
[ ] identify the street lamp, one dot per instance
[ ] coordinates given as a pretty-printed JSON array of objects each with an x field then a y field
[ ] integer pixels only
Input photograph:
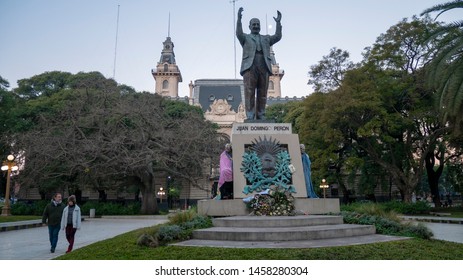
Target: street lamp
[
  {"x": 324, "y": 186},
  {"x": 161, "y": 192},
  {"x": 8, "y": 165}
]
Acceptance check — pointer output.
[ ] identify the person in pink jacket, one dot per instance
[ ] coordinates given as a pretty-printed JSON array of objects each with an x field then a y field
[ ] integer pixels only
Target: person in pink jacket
[{"x": 225, "y": 185}]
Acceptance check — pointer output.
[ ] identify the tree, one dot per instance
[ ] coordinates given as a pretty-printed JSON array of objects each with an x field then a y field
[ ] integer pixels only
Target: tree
[
  {"x": 45, "y": 84},
  {"x": 400, "y": 138},
  {"x": 328, "y": 74},
  {"x": 288, "y": 112},
  {"x": 446, "y": 71},
  {"x": 4, "y": 84},
  {"x": 454, "y": 174},
  {"x": 6, "y": 102},
  {"x": 326, "y": 142},
  {"x": 381, "y": 120},
  {"x": 103, "y": 136}
]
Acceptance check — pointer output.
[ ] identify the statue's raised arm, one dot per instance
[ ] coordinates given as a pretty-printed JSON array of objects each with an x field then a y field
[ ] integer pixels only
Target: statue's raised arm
[
  {"x": 278, "y": 18},
  {"x": 239, "y": 27}
]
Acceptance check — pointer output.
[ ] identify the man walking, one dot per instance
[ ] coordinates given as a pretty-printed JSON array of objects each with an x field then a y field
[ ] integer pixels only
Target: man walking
[
  {"x": 256, "y": 64},
  {"x": 52, "y": 213}
]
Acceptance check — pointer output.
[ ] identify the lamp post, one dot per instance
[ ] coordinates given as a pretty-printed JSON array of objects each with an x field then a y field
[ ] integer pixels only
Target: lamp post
[
  {"x": 8, "y": 165},
  {"x": 161, "y": 192},
  {"x": 324, "y": 186},
  {"x": 169, "y": 198}
]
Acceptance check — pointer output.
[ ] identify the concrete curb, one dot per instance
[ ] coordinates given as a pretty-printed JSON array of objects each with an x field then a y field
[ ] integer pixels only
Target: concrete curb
[
  {"x": 426, "y": 219},
  {"x": 20, "y": 225}
]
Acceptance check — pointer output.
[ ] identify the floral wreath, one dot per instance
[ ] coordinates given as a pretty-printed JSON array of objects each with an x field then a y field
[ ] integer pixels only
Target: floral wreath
[{"x": 277, "y": 202}]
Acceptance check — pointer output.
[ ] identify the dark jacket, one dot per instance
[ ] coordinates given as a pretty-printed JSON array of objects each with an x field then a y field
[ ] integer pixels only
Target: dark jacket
[
  {"x": 248, "y": 42},
  {"x": 53, "y": 214}
]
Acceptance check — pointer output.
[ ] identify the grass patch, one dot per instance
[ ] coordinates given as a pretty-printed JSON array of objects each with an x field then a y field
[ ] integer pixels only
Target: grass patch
[
  {"x": 124, "y": 247},
  {"x": 7, "y": 219}
]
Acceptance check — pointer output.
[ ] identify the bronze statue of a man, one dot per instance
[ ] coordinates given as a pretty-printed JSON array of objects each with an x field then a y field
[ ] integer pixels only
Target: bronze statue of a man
[{"x": 256, "y": 64}]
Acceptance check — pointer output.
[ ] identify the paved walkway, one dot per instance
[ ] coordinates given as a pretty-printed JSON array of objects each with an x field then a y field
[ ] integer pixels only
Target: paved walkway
[
  {"x": 444, "y": 228},
  {"x": 447, "y": 232},
  {"x": 33, "y": 243}
]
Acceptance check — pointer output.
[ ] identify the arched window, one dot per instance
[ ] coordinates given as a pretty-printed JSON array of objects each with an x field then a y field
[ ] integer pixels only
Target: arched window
[
  {"x": 230, "y": 97},
  {"x": 165, "y": 84},
  {"x": 166, "y": 67},
  {"x": 211, "y": 98},
  {"x": 270, "y": 85}
]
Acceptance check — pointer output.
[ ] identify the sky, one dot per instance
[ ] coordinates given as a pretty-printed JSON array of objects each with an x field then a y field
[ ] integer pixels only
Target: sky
[{"x": 80, "y": 35}]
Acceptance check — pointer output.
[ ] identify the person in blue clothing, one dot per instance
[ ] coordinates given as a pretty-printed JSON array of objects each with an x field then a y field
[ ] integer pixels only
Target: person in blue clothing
[
  {"x": 307, "y": 173},
  {"x": 52, "y": 217},
  {"x": 70, "y": 221}
]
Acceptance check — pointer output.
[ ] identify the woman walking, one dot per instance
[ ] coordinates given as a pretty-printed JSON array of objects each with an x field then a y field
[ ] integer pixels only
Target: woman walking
[{"x": 70, "y": 221}]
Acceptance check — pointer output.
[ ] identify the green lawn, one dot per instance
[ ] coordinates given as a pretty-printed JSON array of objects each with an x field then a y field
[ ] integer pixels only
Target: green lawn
[
  {"x": 5, "y": 219},
  {"x": 123, "y": 247}
]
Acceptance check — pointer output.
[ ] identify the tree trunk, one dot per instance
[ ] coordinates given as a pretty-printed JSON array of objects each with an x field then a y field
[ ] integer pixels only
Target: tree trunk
[
  {"x": 433, "y": 176},
  {"x": 406, "y": 195},
  {"x": 404, "y": 189},
  {"x": 149, "y": 203},
  {"x": 345, "y": 192}
]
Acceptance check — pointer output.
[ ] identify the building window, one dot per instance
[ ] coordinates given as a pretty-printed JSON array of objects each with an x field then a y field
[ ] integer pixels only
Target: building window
[
  {"x": 230, "y": 97},
  {"x": 270, "y": 85},
  {"x": 211, "y": 98},
  {"x": 165, "y": 84},
  {"x": 166, "y": 67}
]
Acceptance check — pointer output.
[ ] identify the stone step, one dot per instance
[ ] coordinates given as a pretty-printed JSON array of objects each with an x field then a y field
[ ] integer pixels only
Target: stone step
[
  {"x": 276, "y": 221},
  {"x": 283, "y": 233},
  {"x": 316, "y": 243}
]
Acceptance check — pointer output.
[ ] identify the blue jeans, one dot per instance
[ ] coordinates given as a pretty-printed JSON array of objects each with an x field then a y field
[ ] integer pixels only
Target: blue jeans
[{"x": 53, "y": 232}]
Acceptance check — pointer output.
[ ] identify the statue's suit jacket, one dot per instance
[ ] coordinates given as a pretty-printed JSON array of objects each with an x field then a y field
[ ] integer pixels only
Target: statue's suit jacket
[{"x": 249, "y": 45}]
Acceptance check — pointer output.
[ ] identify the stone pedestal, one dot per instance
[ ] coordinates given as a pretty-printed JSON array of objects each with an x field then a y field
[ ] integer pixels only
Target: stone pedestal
[
  {"x": 243, "y": 134},
  {"x": 236, "y": 207}
]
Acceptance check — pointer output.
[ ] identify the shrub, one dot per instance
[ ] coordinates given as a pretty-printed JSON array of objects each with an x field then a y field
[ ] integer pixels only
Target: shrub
[
  {"x": 197, "y": 222},
  {"x": 111, "y": 208},
  {"x": 419, "y": 230},
  {"x": 29, "y": 208},
  {"x": 169, "y": 233},
  {"x": 102, "y": 208},
  {"x": 182, "y": 217},
  {"x": 373, "y": 209},
  {"x": 180, "y": 227},
  {"x": 147, "y": 240},
  {"x": 420, "y": 207},
  {"x": 387, "y": 226}
]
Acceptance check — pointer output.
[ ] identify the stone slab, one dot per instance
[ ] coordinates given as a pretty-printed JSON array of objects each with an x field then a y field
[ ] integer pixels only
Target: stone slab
[
  {"x": 319, "y": 243},
  {"x": 236, "y": 207},
  {"x": 283, "y": 233},
  {"x": 277, "y": 221}
]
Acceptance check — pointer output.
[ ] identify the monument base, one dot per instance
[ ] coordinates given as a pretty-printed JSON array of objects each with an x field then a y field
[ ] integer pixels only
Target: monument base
[
  {"x": 246, "y": 135},
  {"x": 236, "y": 207}
]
